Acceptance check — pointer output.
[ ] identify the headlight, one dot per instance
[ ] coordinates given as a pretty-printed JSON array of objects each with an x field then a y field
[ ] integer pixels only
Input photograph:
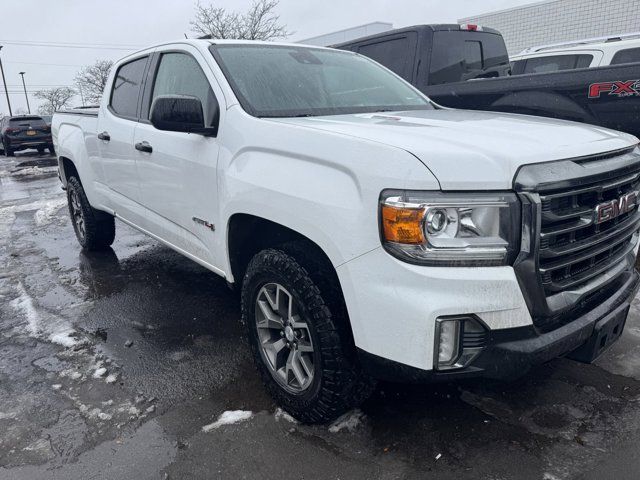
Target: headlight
[{"x": 454, "y": 229}]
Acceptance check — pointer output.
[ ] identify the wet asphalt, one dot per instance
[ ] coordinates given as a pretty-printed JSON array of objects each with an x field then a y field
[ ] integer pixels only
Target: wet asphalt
[{"x": 111, "y": 364}]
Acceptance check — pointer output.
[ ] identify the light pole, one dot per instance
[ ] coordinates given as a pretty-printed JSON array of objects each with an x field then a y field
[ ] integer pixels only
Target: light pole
[
  {"x": 4, "y": 82},
  {"x": 26, "y": 97}
]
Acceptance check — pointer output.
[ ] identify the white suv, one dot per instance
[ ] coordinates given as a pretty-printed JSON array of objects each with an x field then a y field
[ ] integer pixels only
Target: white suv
[{"x": 588, "y": 53}]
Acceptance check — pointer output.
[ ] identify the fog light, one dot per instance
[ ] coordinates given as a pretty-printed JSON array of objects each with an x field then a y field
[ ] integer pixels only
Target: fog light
[
  {"x": 448, "y": 341},
  {"x": 459, "y": 340}
]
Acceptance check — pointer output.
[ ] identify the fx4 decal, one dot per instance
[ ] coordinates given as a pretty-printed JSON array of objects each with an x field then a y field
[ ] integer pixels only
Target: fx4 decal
[{"x": 618, "y": 88}]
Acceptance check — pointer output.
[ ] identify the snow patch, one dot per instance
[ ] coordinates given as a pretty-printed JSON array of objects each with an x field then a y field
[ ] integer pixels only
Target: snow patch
[
  {"x": 549, "y": 476},
  {"x": 53, "y": 329},
  {"x": 35, "y": 170},
  {"x": 100, "y": 372},
  {"x": 229, "y": 417},
  {"x": 45, "y": 210},
  {"x": 349, "y": 421},
  {"x": 48, "y": 211},
  {"x": 281, "y": 414}
]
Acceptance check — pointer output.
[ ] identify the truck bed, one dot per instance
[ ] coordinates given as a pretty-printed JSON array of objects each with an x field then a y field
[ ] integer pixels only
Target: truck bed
[{"x": 563, "y": 95}]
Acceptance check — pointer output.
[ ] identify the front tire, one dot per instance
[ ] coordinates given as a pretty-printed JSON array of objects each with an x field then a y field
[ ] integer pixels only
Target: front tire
[
  {"x": 95, "y": 230},
  {"x": 299, "y": 345}
]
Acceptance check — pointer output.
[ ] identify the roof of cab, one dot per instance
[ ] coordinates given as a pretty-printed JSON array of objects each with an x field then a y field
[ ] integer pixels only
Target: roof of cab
[
  {"x": 199, "y": 42},
  {"x": 443, "y": 27}
]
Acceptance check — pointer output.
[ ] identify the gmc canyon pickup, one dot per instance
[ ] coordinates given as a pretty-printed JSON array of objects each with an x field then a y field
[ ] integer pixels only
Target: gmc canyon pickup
[{"x": 372, "y": 233}]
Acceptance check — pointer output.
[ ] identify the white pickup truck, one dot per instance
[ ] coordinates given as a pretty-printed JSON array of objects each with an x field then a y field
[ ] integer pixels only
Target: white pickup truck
[{"x": 373, "y": 233}]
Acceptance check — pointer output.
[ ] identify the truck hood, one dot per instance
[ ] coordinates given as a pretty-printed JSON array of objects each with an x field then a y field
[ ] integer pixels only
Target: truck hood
[{"x": 467, "y": 149}]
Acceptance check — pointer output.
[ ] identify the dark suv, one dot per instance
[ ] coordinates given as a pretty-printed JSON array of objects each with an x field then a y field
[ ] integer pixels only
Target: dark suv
[{"x": 24, "y": 131}]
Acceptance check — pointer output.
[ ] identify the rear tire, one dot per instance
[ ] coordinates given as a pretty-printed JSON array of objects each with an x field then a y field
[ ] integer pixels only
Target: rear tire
[
  {"x": 317, "y": 378},
  {"x": 95, "y": 230},
  {"x": 8, "y": 151}
]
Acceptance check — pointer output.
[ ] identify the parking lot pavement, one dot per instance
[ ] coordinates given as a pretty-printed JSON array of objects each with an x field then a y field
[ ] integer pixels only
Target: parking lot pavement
[{"x": 111, "y": 364}]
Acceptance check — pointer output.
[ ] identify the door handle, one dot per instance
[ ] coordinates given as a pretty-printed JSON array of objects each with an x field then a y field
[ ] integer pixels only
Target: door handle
[
  {"x": 104, "y": 136},
  {"x": 144, "y": 147}
]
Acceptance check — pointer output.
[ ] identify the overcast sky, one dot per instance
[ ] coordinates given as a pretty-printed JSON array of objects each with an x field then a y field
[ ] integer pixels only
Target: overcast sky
[{"x": 139, "y": 23}]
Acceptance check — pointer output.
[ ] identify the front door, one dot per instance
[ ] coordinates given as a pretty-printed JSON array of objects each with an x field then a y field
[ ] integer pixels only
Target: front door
[{"x": 177, "y": 171}]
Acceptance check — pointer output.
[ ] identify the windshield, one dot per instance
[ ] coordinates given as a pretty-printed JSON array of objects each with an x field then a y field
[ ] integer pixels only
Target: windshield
[{"x": 284, "y": 81}]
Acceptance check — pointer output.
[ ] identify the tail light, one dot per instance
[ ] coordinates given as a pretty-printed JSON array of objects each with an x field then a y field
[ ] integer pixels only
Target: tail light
[
  {"x": 470, "y": 27},
  {"x": 12, "y": 130}
]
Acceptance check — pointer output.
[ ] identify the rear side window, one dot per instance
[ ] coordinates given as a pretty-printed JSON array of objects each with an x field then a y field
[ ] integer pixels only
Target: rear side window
[
  {"x": 180, "y": 74},
  {"x": 458, "y": 56},
  {"x": 126, "y": 88},
  {"x": 395, "y": 53},
  {"x": 630, "y": 55},
  {"x": 554, "y": 63}
]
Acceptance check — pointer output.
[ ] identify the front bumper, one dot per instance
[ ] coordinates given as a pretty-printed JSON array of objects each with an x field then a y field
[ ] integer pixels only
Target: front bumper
[
  {"x": 511, "y": 353},
  {"x": 393, "y": 307}
]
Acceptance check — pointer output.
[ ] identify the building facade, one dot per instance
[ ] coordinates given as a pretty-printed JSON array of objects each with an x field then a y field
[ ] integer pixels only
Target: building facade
[
  {"x": 554, "y": 21},
  {"x": 348, "y": 34}
]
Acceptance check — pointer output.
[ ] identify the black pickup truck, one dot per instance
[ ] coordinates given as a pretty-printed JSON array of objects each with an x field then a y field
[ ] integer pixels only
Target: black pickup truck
[{"x": 466, "y": 66}]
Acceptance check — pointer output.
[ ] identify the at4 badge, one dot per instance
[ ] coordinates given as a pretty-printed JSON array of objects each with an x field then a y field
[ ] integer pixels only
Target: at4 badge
[{"x": 619, "y": 89}]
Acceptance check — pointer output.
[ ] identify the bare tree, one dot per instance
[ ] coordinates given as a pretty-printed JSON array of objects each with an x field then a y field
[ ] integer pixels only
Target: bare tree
[
  {"x": 54, "y": 99},
  {"x": 258, "y": 23},
  {"x": 92, "y": 79}
]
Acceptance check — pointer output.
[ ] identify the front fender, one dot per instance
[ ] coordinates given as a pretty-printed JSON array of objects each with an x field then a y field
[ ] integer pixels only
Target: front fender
[{"x": 322, "y": 185}]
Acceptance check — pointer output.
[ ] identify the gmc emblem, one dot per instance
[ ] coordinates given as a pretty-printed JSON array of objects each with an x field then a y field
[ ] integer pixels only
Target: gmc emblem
[{"x": 609, "y": 210}]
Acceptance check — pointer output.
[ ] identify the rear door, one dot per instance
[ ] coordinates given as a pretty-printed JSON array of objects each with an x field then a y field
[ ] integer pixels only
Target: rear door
[
  {"x": 178, "y": 186},
  {"x": 116, "y": 126}
]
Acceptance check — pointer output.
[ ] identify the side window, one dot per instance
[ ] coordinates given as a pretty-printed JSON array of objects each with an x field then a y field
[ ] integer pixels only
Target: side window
[
  {"x": 396, "y": 54},
  {"x": 126, "y": 88},
  {"x": 473, "y": 55},
  {"x": 630, "y": 55},
  {"x": 458, "y": 56},
  {"x": 180, "y": 74},
  {"x": 556, "y": 63}
]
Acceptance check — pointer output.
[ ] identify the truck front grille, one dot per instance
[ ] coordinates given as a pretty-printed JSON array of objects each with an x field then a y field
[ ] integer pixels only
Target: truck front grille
[
  {"x": 569, "y": 259},
  {"x": 573, "y": 247}
]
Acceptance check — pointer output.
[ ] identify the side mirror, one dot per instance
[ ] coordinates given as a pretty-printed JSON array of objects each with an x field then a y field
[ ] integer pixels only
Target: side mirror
[{"x": 179, "y": 113}]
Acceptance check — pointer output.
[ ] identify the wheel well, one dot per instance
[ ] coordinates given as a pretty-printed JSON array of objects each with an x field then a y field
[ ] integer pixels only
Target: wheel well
[
  {"x": 248, "y": 234},
  {"x": 69, "y": 170}
]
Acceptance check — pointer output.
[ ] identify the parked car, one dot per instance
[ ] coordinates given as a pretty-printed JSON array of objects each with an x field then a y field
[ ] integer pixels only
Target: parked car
[
  {"x": 588, "y": 53},
  {"x": 467, "y": 66},
  {"x": 24, "y": 131},
  {"x": 372, "y": 233}
]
